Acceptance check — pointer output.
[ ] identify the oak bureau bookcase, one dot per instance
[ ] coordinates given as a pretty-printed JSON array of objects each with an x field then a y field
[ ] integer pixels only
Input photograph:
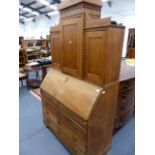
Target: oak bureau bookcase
[{"x": 79, "y": 94}]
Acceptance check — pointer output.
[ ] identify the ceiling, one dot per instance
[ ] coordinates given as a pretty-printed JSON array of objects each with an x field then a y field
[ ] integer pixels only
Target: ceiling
[{"x": 28, "y": 9}]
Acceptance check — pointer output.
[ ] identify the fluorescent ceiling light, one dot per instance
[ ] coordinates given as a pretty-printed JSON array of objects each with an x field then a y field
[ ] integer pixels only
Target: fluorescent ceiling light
[
  {"x": 53, "y": 13},
  {"x": 53, "y": 7},
  {"x": 44, "y": 2},
  {"x": 27, "y": 9},
  {"x": 22, "y": 17},
  {"x": 105, "y": 1},
  {"x": 29, "y": 19},
  {"x": 35, "y": 13},
  {"x": 20, "y": 7}
]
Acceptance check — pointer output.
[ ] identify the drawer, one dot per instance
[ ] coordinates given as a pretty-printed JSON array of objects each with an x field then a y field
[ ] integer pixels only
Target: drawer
[
  {"x": 126, "y": 85},
  {"x": 52, "y": 116},
  {"x": 74, "y": 117},
  {"x": 68, "y": 143},
  {"x": 125, "y": 105},
  {"x": 51, "y": 125},
  {"x": 75, "y": 139},
  {"x": 73, "y": 126},
  {"x": 121, "y": 119},
  {"x": 123, "y": 96},
  {"x": 63, "y": 137}
]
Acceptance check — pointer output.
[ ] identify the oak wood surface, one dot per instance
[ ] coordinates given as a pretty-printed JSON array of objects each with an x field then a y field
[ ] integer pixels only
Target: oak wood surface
[{"x": 64, "y": 89}]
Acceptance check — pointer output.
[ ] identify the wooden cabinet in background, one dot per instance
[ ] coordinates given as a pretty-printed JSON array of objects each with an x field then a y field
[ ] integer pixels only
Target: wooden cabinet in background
[
  {"x": 35, "y": 49},
  {"x": 22, "y": 58},
  {"x": 131, "y": 44},
  {"x": 126, "y": 96}
]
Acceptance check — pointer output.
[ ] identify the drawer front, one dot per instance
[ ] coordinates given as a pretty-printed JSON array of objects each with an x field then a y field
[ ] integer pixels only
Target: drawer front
[
  {"x": 124, "y": 96},
  {"x": 51, "y": 125},
  {"x": 74, "y": 117},
  {"x": 74, "y": 126},
  {"x": 120, "y": 120},
  {"x": 68, "y": 143},
  {"x": 63, "y": 137},
  {"x": 74, "y": 138},
  {"x": 126, "y": 85},
  {"x": 125, "y": 105}
]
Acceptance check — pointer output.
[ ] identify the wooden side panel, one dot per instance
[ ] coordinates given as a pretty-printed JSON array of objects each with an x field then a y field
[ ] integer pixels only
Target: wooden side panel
[
  {"x": 101, "y": 121},
  {"x": 72, "y": 43},
  {"x": 113, "y": 54},
  {"x": 95, "y": 50},
  {"x": 56, "y": 49}
]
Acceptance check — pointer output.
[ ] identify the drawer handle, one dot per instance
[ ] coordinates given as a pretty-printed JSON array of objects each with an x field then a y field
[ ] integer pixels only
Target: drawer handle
[
  {"x": 126, "y": 87},
  {"x": 124, "y": 96}
]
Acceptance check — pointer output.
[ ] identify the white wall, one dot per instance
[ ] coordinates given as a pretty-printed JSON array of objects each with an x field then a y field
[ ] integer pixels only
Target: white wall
[
  {"x": 122, "y": 11},
  {"x": 39, "y": 28}
]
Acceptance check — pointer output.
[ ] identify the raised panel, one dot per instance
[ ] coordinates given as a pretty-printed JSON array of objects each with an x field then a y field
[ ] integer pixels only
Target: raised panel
[
  {"x": 70, "y": 46},
  {"x": 56, "y": 49},
  {"x": 72, "y": 43},
  {"x": 95, "y": 56}
]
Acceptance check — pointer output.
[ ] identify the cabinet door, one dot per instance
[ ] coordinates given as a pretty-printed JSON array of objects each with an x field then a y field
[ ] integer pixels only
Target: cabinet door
[
  {"x": 95, "y": 49},
  {"x": 56, "y": 49},
  {"x": 72, "y": 43}
]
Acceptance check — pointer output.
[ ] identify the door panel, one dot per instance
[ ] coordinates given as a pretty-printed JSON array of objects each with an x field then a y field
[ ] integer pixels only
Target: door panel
[
  {"x": 56, "y": 49},
  {"x": 95, "y": 56},
  {"x": 72, "y": 41}
]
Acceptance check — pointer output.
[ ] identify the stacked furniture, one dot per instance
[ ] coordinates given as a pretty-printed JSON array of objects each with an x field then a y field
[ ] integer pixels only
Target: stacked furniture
[
  {"x": 35, "y": 49},
  {"x": 79, "y": 95},
  {"x": 126, "y": 96}
]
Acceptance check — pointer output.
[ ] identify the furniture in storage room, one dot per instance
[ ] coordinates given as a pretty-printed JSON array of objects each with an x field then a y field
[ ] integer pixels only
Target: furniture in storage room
[
  {"x": 131, "y": 44},
  {"x": 78, "y": 112},
  {"x": 126, "y": 96},
  {"x": 87, "y": 48},
  {"x": 35, "y": 49}
]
